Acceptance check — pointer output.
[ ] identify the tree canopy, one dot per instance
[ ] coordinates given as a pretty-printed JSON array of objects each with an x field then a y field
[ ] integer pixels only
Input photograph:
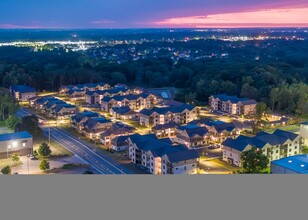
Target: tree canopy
[
  {"x": 253, "y": 160},
  {"x": 44, "y": 150}
]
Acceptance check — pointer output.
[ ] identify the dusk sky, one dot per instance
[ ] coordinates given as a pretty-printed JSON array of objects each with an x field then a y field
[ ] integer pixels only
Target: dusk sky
[{"x": 152, "y": 13}]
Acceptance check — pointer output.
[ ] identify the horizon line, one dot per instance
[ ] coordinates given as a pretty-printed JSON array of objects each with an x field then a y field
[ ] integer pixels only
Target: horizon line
[{"x": 208, "y": 26}]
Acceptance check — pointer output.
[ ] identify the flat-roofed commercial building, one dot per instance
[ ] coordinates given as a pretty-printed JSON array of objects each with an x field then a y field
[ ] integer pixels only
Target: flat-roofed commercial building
[
  {"x": 18, "y": 142},
  {"x": 297, "y": 164}
]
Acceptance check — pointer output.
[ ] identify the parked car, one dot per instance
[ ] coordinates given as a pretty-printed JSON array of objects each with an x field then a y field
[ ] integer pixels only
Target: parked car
[{"x": 31, "y": 157}]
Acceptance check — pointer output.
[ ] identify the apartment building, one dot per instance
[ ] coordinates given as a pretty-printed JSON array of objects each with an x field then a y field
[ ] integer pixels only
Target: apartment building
[
  {"x": 85, "y": 87},
  {"x": 161, "y": 156},
  {"x": 303, "y": 132},
  {"x": 117, "y": 130},
  {"x": 53, "y": 107},
  {"x": 159, "y": 116},
  {"x": 165, "y": 131},
  {"x": 124, "y": 113},
  {"x": 135, "y": 102},
  {"x": 63, "y": 111},
  {"x": 218, "y": 130},
  {"x": 78, "y": 119},
  {"x": 76, "y": 94},
  {"x": 95, "y": 97},
  {"x": 275, "y": 146},
  {"x": 23, "y": 93},
  {"x": 192, "y": 136},
  {"x": 94, "y": 127},
  {"x": 233, "y": 105}
]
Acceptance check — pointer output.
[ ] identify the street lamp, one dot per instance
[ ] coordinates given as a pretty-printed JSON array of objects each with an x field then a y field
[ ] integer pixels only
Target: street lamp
[
  {"x": 7, "y": 150},
  {"x": 28, "y": 164}
]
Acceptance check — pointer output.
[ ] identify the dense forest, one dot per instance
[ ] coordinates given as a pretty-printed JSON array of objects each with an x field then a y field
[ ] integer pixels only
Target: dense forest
[{"x": 279, "y": 78}]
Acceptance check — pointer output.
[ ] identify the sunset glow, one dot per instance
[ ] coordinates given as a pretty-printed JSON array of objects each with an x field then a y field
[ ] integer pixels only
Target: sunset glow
[
  {"x": 54, "y": 14},
  {"x": 273, "y": 17}
]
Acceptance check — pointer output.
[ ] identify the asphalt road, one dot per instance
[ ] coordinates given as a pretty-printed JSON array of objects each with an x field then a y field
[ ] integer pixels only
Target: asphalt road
[
  {"x": 97, "y": 160},
  {"x": 22, "y": 112}
]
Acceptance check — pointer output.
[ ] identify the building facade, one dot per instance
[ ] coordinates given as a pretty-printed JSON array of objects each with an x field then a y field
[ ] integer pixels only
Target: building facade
[
  {"x": 160, "y": 156},
  {"x": 233, "y": 105},
  {"x": 18, "y": 142},
  {"x": 297, "y": 164},
  {"x": 23, "y": 93},
  {"x": 182, "y": 114},
  {"x": 275, "y": 146}
]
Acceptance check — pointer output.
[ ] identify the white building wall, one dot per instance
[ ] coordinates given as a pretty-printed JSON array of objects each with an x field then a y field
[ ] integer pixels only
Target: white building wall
[
  {"x": 229, "y": 153},
  {"x": 185, "y": 169}
]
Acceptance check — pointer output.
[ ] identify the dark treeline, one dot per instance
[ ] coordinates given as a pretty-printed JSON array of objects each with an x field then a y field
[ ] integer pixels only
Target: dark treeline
[{"x": 278, "y": 78}]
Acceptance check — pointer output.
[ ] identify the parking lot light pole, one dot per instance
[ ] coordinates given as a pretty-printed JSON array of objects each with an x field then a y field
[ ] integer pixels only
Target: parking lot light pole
[
  {"x": 7, "y": 150},
  {"x": 28, "y": 164}
]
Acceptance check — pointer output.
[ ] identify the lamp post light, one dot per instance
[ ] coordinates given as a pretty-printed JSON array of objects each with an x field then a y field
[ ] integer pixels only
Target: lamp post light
[
  {"x": 28, "y": 164},
  {"x": 7, "y": 150}
]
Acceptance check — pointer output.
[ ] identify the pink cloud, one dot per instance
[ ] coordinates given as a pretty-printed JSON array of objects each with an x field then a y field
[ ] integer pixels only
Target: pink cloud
[{"x": 269, "y": 17}]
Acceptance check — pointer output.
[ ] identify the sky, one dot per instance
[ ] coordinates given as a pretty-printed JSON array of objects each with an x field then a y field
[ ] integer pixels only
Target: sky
[{"x": 152, "y": 13}]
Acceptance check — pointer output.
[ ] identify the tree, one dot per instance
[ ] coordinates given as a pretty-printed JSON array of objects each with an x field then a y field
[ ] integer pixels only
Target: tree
[
  {"x": 118, "y": 77},
  {"x": 8, "y": 105},
  {"x": 305, "y": 149},
  {"x": 190, "y": 98},
  {"x": 274, "y": 94},
  {"x": 249, "y": 91},
  {"x": 6, "y": 170},
  {"x": 30, "y": 124},
  {"x": 44, "y": 150},
  {"x": 44, "y": 165},
  {"x": 261, "y": 108},
  {"x": 247, "y": 79},
  {"x": 15, "y": 157},
  {"x": 11, "y": 122},
  {"x": 228, "y": 87},
  {"x": 253, "y": 160}
]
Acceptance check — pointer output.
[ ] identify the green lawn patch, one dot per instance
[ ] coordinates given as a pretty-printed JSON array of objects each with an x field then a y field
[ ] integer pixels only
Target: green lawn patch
[
  {"x": 4, "y": 129},
  {"x": 57, "y": 150},
  {"x": 284, "y": 128},
  {"x": 9, "y": 162}
]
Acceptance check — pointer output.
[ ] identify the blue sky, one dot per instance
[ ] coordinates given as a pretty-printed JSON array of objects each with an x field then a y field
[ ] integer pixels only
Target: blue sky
[{"x": 147, "y": 13}]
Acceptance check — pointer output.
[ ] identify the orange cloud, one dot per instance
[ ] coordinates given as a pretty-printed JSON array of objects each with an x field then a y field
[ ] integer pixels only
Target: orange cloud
[{"x": 275, "y": 17}]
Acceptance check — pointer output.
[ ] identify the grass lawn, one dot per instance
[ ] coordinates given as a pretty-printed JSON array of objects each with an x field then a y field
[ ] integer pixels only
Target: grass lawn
[
  {"x": 56, "y": 149},
  {"x": 5, "y": 162},
  {"x": 284, "y": 128},
  {"x": 135, "y": 124},
  {"x": 4, "y": 129},
  {"x": 219, "y": 164},
  {"x": 266, "y": 170}
]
